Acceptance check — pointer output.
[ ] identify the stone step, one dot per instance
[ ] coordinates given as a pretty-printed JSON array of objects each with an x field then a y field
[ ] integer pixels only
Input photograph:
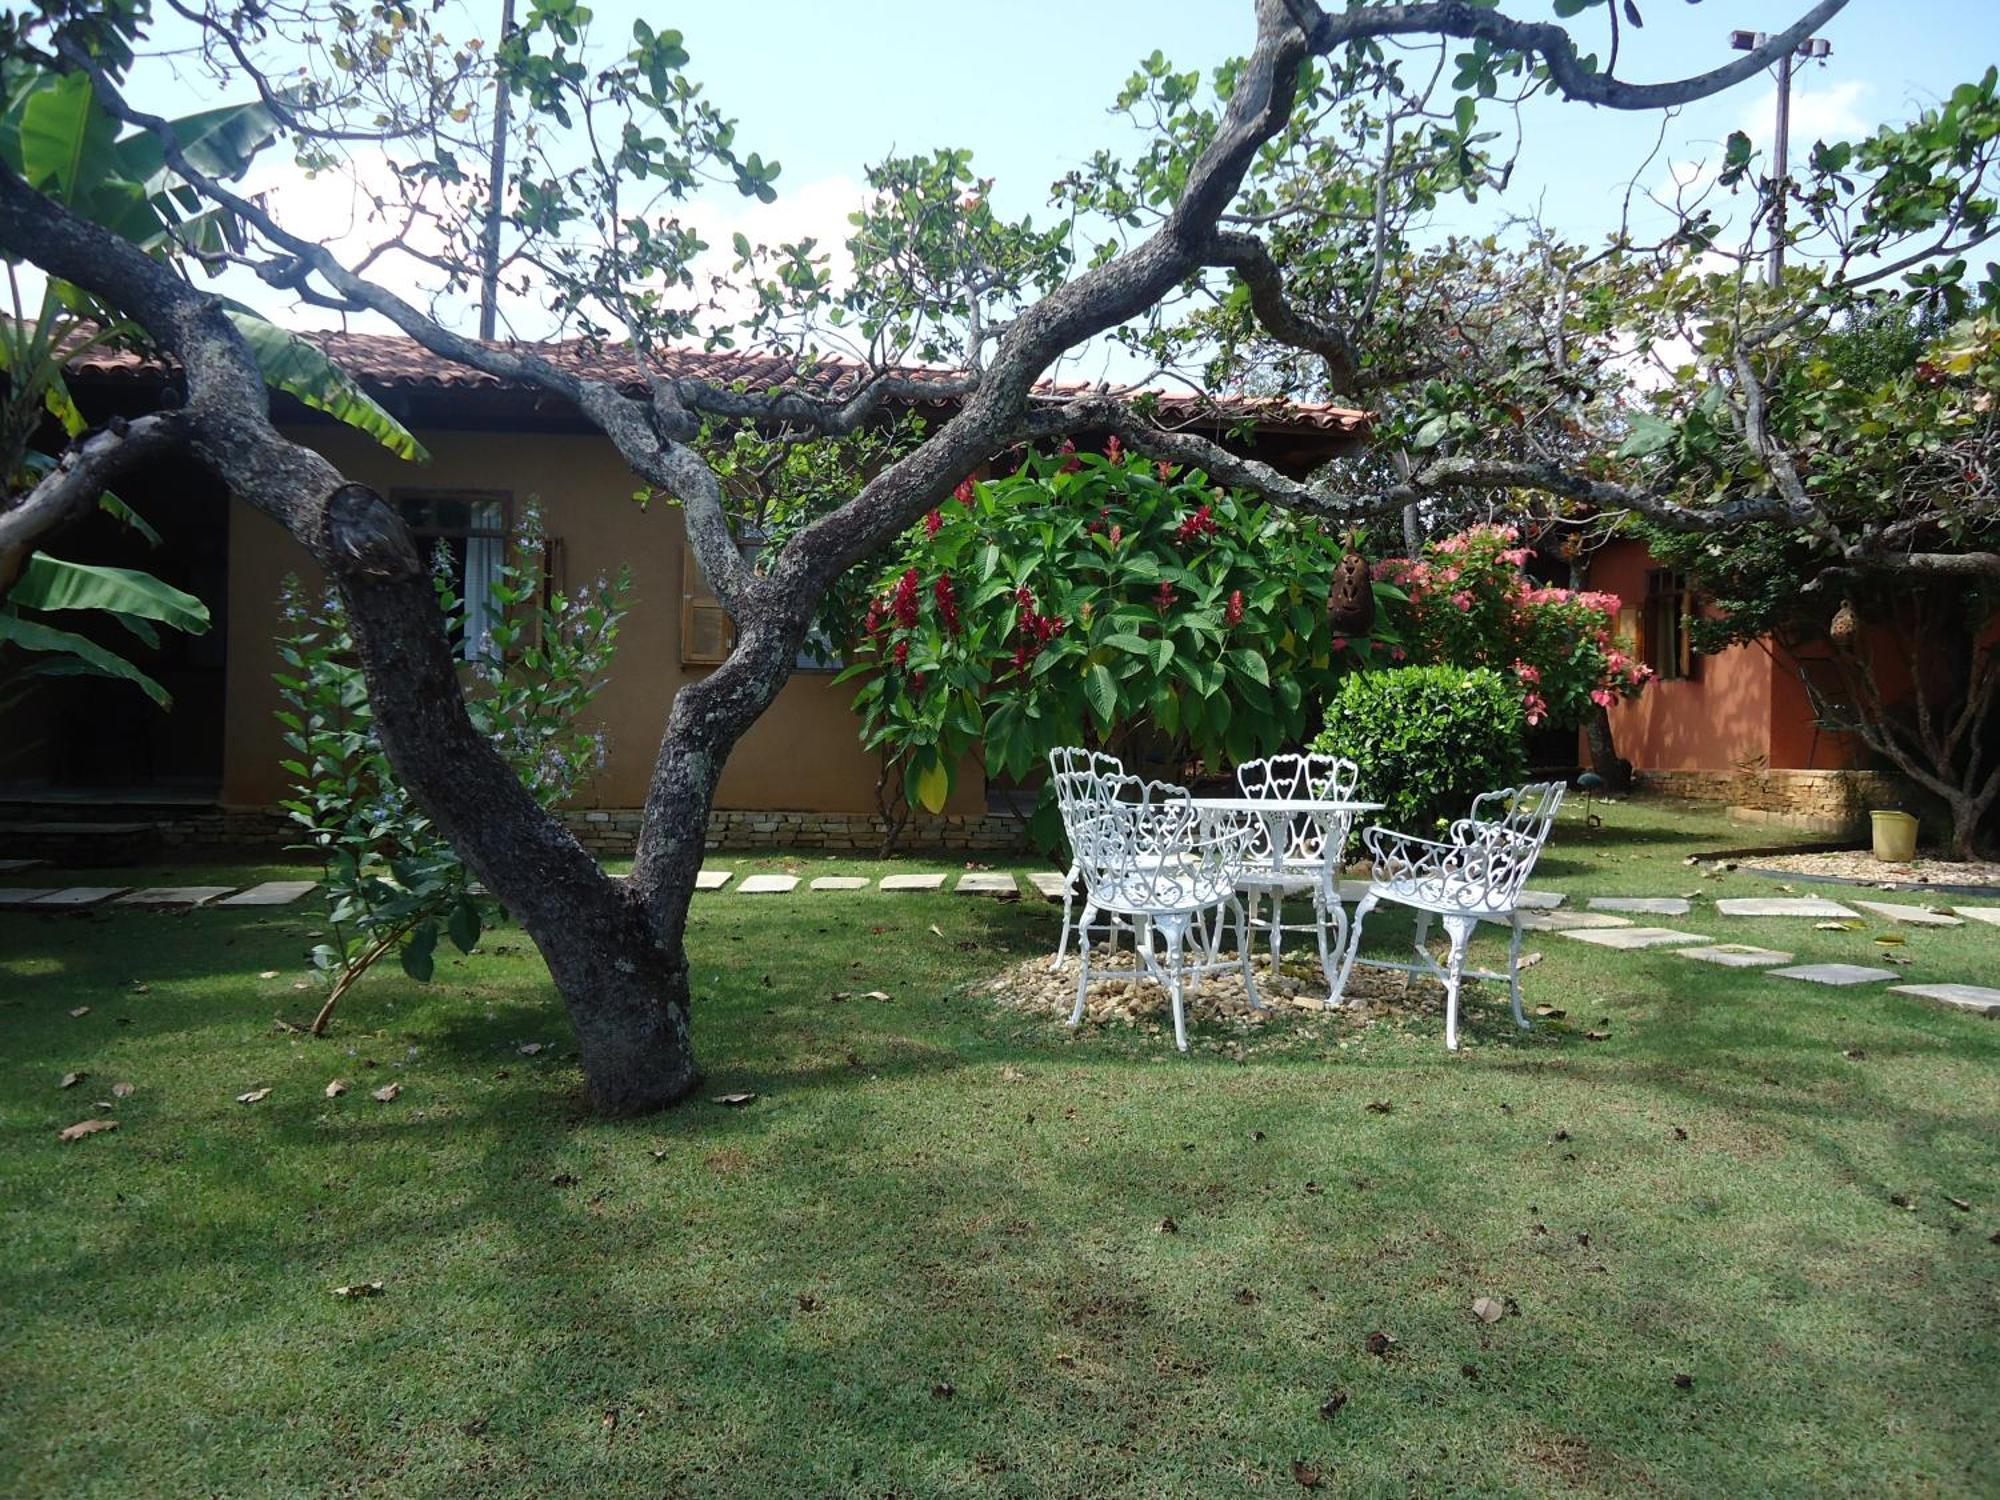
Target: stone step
[
  {"x": 1976, "y": 998},
  {"x": 840, "y": 883},
  {"x": 1637, "y": 937},
  {"x": 912, "y": 883},
  {"x": 1737, "y": 956},
  {"x": 1651, "y": 906},
  {"x": 25, "y": 895},
  {"x": 271, "y": 893},
  {"x": 80, "y": 895},
  {"x": 1990, "y": 915},
  {"x": 1781, "y": 906},
  {"x": 1916, "y": 916},
  {"x": 766, "y": 885},
  {"x": 975, "y": 883},
  {"x": 712, "y": 880},
  {"x": 1837, "y": 974},
  {"x": 175, "y": 895}
]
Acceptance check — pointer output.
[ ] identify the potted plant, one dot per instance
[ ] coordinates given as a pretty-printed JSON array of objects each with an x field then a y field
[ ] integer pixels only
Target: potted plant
[{"x": 1895, "y": 834}]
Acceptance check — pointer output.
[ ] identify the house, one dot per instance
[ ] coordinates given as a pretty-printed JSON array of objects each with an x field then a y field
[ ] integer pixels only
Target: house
[
  {"x": 98, "y": 753},
  {"x": 1745, "y": 727}
]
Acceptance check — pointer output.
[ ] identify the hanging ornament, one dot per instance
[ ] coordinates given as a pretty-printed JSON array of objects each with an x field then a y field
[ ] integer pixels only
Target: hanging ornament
[{"x": 1351, "y": 601}]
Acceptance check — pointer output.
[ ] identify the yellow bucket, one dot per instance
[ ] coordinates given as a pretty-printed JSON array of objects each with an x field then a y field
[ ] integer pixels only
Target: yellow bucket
[{"x": 1895, "y": 836}]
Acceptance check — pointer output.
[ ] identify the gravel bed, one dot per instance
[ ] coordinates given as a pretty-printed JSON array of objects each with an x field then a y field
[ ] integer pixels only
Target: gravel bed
[{"x": 1864, "y": 868}]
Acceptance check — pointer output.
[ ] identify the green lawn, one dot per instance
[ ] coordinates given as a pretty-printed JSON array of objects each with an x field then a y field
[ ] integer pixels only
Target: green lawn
[{"x": 929, "y": 1257}]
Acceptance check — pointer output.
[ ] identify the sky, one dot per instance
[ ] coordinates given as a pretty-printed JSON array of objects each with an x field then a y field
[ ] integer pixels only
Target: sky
[{"x": 826, "y": 88}]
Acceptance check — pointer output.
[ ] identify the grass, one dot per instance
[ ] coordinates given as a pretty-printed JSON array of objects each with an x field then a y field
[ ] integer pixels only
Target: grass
[{"x": 929, "y": 1257}]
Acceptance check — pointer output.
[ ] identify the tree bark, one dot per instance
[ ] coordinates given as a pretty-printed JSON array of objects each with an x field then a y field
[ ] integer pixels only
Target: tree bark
[{"x": 1604, "y": 757}]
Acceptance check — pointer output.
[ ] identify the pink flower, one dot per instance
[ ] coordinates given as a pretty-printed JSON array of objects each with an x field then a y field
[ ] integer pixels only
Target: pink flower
[
  {"x": 1462, "y": 599},
  {"x": 1603, "y": 697},
  {"x": 1164, "y": 469},
  {"x": 1071, "y": 463},
  {"x": 1340, "y": 643},
  {"x": 963, "y": 494},
  {"x": 1527, "y": 672},
  {"x": 932, "y": 520},
  {"x": 1115, "y": 450},
  {"x": 1537, "y": 707},
  {"x": 1397, "y": 653}
]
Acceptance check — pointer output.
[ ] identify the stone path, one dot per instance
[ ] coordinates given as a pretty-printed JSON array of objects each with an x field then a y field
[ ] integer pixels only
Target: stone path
[
  {"x": 912, "y": 882},
  {"x": 1052, "y": 887},
  {"x": 1916, "y": 916},
  {"x": 988, "y": 884},
  {"x": 15, "y": 866},
  {"x": 1836, "y": 974},
  {"x": 80, "y": 895},
  {"x": 1738, "y": 956},
  {"x": 271, "y": 893},
  {"x": 1652, "y": 906},
  {"x": 840, "y": 883},
  {"x": 1973, "y": 997},
  {"x": 1563, "y": 921},
  {"x": 25, "y": 895},
  {"x": 1780, "y": 906},
  {"x": 766, "y": 885},
  {"x": 1636, "y": 937},
  {"x": 712, "y": 880},
  {"x": 1990, "y": 915},
  {"x": 175, "y": 895}
]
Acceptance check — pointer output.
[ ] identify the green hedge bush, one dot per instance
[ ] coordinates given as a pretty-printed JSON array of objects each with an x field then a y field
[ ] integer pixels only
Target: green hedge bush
[{"x": 1428, "y": 739}]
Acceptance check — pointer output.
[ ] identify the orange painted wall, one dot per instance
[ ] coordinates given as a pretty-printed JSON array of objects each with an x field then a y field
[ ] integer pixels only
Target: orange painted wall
[{"x": 805, "y": 753}]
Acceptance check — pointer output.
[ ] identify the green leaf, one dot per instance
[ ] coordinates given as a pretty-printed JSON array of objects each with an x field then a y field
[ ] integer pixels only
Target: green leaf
[
  {"x": 301, "y": 369},
  {"x": 1100, "y": 688},
  {"x": 463, "y": 926},
  {"x": 1646, "y": 434},
  {"x": 52, "y": 583},
  {"x": 76, "y": 654},
  {"x": 65, "y": 138},
  {"x": 1251, "y": 665},
  {"x": 217, "y": 142},
  {"x": 930, "y": 784}
]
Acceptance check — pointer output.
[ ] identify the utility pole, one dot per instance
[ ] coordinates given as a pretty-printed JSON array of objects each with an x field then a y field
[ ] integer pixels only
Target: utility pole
[
  {"x": 496, "y": 182},
  {"x": 1812, "y": 48}
]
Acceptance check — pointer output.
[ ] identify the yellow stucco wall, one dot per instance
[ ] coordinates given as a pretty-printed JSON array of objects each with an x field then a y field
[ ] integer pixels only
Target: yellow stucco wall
[{"x": 805, "y": 753}]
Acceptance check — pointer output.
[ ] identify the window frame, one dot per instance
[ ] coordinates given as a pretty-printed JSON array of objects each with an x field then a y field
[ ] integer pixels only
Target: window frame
[
  {"x": 427, "y": 535},
  {"x": 1666, "y": 640}
]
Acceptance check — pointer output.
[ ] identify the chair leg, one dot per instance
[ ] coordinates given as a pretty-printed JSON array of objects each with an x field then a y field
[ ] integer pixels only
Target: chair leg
[
  {"x": 1460, "y": 931},
  {"x": 1361, "y": 909},
  {"x": 1277, "y": 932},
  {"x": 1321, "y": 914},
  {"x": 1419, "y": 951},
  {"x": 1083, "y": 968},
  {"x": 1242, "y": 950},
  {"x": 1175, "y": 932},
  {"x": 1514, "y": 972},
  {"x": 1062, "y": 943}
]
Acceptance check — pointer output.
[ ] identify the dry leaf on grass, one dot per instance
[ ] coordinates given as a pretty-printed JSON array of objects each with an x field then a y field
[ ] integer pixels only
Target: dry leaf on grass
[
  {"x": 1683, "y": 1380},
  {"x": 253, "y": 1096},
  {"x": 1379, "y": 1343},
  {"x": 1167, "y": 1226},
  {"x": 529, "y": 1049},
  {"x": 1959, "y": 1203},
  {"x": 268, "y": 974},
  {"x": 79, "y": 1012},
  {"x": 71, "y": 1080},
  {"x": 1487, "y": 1310},
  {"x": 1597, "y": 1036},
  {"x": 83, "y": 1128},
  {"x": 335, "y": 1089},
  {"x": 123, "y": 1090},
  {"x": 359, "y": 1289},
  {"x": 387, "y": 1092},
  {"x": 734, "y": 1101},
  {"x": 1903, "y": 1200},
  {"x": 1380, "y": 1107},
  {"x": 1330, "y": 1408},
  {"x": 1306, "y": 1475},
  {"x": 1550, "y": 1012}
]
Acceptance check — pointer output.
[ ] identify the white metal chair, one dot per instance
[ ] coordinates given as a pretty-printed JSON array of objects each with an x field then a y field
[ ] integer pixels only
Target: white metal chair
[
  {"x": 1478, "y": 873},
  {"x": 1304, "y": 856},
  {"x": 1147, "y": 853},
  {"x": 1076, "y": 775}
]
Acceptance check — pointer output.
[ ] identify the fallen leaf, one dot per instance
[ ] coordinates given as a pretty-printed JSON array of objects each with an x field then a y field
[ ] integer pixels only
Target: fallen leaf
[
  {"x": 359, "y": 1289},
  {"x": 1903, "y": 1200},
  {"x": 1684, "y": 1381},
  {"x": 1890, "y": 939},
  {"x": 1379, "y": 1343},
  {"x": 71, "y": 1080},
  {"x": 1597, "y": 1036},
  {"x": 387, "y": 1092},
  {"x": 1855, "y": 1054},
  {"x": 253, "y": 1096},
  {"x": 564, "y": 1179},
  {"x": 733, "y": 1101},
  {"x": 79, "y": 1012},
  {"x": 1680, "y": 1133},
  {"x": 1550, "y": 1012},
  {"x": 1836, "y": 927},
  {"x": 1245, "y": 1297},
  {"x": 1313, "y": 1189},
  {"x": 876, "y": 995},
  {"x": 1307, "y": 1476},
  {"x": 1166, "y": 1226},
  {"x": 1011, "y": 1074},
  {"x": 268, "y": 974},
  {"x": 611, "y": 1422},
  {"x": 1959, "y": 1203},
  {"x": 937, "y": 930},
  {"x": 476, "y": 1426},
  {"x": 1560, "y": 1135},
  {"x": 944, "y": 1390},
  {"x": 809, "y": 1303},
  {"x": 1583, "y": 1239},
  {"x": 1330, "y": 1408},
  {"x": 1380, "y": 1107},
  {"x": 1487, "y": 1310},
  {"x": 1470, "y": 1372},
  {"x": 123, "y": 1090},
  {"x": 529, "y": 1049},
  {"x": 660, "y": 1155},
  {"x": 335, "y": 1089},
  {"x": 83, "y": 1128}
]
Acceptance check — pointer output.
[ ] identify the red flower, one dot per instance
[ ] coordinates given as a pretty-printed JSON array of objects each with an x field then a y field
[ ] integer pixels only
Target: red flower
[
  {"x": 904, "y": 603},
  {"x": 916, "y": 682},
  {"x": 1115, "y": 450},
  {"x": 1164, "y": 469},
  {"x": 963, "y": 494},
  {"x": 1164, "y": 599},
  {"x": 947, "y": 602},
  {"x": 1233, "y": 613},
  {"x": 877, "y": 614},
  {"x": 932, "y": 520},
  {"x": 1197, "y": 527},
  {"x": 902, "y": 653},
  {"x": 1072, "y": 463},
  {"x": 1117, "y": 534}
]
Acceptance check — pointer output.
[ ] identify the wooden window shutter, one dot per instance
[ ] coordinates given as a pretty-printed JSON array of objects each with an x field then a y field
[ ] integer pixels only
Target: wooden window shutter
[{"x": 706, "y": 631}]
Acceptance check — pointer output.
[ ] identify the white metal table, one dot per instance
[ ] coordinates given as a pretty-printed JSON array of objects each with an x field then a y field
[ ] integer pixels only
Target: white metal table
[{"x": 1330, "y": 819}]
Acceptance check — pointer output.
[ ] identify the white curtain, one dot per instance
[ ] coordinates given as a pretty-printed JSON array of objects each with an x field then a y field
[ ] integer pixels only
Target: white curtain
[{"x": 484, "y": 551}]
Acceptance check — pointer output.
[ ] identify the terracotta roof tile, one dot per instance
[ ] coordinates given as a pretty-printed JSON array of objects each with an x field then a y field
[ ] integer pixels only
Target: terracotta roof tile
[{"x": 387, "y": 363}]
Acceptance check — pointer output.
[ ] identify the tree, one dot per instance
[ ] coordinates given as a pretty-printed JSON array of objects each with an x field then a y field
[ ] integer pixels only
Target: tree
[{"x": 606, "y": 152}]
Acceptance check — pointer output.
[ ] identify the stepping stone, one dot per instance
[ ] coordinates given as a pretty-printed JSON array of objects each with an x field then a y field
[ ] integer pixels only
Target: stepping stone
[
  {"x": 912, "y": 883},
  {"x": 1652, "y": 906},
  {"x": 1636, "y": 937},
  {"x": 1542, "y": 900},
  {"x": 1780, "y": 906},
  {"x": 1973, "y": 997},
  {"x": 990, "y": 884},
  {"x": 271, "y": 893},
  {"x": 712, "y": 880},
  {"x": 1055, "y": 887},
  {"x": 1737, "y": 956},
  {"x": 1563, "y": 921},
  {"x": 14, "y": 866},
  {"x": 1916, "y": 916},
  {"x": 1835, "y": 974},
  {"x": 175, "y": 895},
  {"x": 1353, "y": 890},
  {"x": 25, "y": 896},
  {"x": 1990, "y": 915},
  {"x": 840, "y": 883},
  {"x": 81, "y": 895},
  {"x": 766, "y": 885}
]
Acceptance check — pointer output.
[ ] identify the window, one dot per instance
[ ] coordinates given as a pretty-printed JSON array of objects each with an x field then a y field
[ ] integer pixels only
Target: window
[
  {"x": 471, "y": 527},
  {"x": 1665, "y": 643},
  {"x": 707, "y": 633}
]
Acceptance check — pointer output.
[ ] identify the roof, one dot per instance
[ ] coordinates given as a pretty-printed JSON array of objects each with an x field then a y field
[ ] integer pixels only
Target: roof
[{"x": 387, "y": 364}]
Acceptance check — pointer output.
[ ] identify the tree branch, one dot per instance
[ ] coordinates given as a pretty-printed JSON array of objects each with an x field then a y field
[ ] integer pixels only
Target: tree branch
[{"x": 69, "y": 491}]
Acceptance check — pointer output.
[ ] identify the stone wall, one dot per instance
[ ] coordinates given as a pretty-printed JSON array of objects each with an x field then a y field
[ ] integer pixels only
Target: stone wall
[
  {"x": 1835, "y": 802},
  {"x": 613, "y": 832}
]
